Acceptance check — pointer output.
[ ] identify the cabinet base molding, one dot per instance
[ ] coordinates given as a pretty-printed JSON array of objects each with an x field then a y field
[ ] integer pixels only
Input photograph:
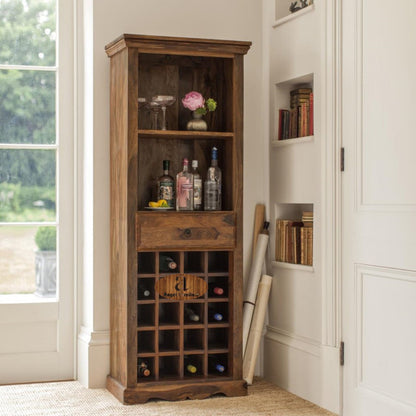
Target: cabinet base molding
[{"x": 175, "y": 390}]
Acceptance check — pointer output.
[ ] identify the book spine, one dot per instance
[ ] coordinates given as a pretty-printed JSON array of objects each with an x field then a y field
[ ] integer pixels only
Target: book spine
[{"x": 311, "y": 114}]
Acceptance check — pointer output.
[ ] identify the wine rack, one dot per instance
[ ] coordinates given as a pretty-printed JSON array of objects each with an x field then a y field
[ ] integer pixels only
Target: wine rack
[
  {"x": 165, "y": 330},
  {"x": 169, "y": 325}
]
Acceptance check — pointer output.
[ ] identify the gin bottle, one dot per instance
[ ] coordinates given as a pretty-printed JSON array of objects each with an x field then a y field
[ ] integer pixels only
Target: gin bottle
[
  {"x": 185, "y": 189},
  {"x": 212, "y": 185},
  {"x": 197, "y": 186},
  {"x": 165, "y": 186}
]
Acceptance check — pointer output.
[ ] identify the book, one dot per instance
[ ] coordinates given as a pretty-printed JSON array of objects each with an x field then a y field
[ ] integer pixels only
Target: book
[
  {"x": 309, "y": 246},
  {"x": 311, "y": 114}
]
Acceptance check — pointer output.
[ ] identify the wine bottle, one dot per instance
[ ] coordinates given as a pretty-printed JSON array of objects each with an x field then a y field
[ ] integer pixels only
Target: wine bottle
[
  {"x": 215, "y": 366},
  {"x": 165, "y": 186},
  {"x": 191, "y": 315},
  {"x": 197, "y": 186},
  {"x": 216, "y": 290},
  {"x": 212, "y": 185},
  {"x": 166, "y": 263},
  {"x": 144, "y": 370},
  {"x": 144, "y": 291},
  {"x": 185, "y": 189},
  {"x": 190, "y": 368},
  {"x": 215, "y": 316}
]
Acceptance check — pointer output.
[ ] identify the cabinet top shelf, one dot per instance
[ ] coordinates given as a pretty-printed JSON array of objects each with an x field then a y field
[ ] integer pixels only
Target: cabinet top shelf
[
  {"x": 180, "y": 134},
  {"x": 178, "y": 45}
]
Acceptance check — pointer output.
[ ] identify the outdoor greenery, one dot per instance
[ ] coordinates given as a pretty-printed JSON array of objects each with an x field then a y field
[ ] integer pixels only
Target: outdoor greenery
[
  {"x": 45, "y": 238},
  {"x": 27, "y": 110}
]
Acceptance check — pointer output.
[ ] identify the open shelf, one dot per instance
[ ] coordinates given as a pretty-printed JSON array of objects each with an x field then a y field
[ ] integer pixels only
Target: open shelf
[
  {"x": 292, "y": 266},
  {"x": 289, "y": 142},
  {"x": 283, "y": 14},
  {"x": 183, "y": 134},
  {"x": 293, "y": 243},
  {"x": 293, "y": 116}
]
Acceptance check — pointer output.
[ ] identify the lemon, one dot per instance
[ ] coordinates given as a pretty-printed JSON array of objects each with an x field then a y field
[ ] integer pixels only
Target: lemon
[
  {"x": 162, "y": 203},
  {"x": 153, "y": 204}
]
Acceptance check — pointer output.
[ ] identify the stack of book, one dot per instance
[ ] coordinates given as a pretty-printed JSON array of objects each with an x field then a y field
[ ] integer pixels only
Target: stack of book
[
  {"x": 294, "y": 240},
  {"x": 298, "y": 121}
]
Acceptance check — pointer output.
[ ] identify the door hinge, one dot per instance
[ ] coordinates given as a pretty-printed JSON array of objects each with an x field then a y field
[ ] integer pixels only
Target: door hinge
[
  {"x": 342, "y": 159},
  {"x": 341, "y": 353}
]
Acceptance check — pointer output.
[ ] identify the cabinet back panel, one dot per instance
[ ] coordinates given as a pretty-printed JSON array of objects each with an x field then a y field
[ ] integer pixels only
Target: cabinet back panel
[{"x": 178, "y": 75}]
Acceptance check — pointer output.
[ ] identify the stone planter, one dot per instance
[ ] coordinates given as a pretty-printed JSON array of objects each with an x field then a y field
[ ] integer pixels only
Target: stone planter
[{"x": 45, "y": 262}]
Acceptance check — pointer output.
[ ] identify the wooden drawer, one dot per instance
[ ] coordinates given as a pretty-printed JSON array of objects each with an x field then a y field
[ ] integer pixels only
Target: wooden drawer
[{"x": 173, "y": 230}]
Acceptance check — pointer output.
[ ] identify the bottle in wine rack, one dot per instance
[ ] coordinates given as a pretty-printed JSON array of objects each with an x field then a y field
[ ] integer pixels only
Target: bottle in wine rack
[
  {"x": 165, "y": 186},
  {"x": 215, "y": 366},
  {"x": 212, "y": 185},
  {"x": 185, "y": 189},
  {"x": 197, "y": 186},
  {"x": 167, "y": 264},
  {"x": 144, "y": 292},
  {"x": 144, "y": 370},
  {"x": 215, "y": 316},
  {"x": 191, "y": 315},
  {"x": 216, "y": 290},
  {"x": 191, "y": 368}
]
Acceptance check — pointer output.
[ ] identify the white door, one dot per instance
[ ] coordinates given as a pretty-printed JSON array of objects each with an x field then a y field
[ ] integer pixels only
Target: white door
[
  {"x": 379, "y": 207},
  {"x": 36, "y": 191}
]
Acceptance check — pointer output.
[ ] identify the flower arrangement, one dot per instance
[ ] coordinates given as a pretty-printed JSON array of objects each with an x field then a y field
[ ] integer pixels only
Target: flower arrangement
[{"x": 194, "y": 101}]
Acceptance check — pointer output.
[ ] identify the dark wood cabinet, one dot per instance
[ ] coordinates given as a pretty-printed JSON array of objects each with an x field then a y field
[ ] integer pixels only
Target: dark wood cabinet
[{"x": 190, "y": 347}]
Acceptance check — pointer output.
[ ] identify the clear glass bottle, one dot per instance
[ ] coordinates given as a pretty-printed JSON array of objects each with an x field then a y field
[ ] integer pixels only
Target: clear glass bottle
[
  {"x": 166, "y": 186},
  {"x": 212, "y": 185},
  {"x": 197, "y": 186},
  {"x": 185, "y": 189}
]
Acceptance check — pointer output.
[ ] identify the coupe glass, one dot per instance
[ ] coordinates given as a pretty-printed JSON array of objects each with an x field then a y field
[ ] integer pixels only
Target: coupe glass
[
  {"x": 164, "y": 101},
  {"x": 154, "y": 107}
]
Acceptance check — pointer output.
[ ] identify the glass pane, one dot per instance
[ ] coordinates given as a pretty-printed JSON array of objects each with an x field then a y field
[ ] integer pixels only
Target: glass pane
[
  {"x": 28, "y": 260},
  {"x": 28, "y": 32},
  {"x": 27, "y": 185},
  {"x": 27, "y": 107}
]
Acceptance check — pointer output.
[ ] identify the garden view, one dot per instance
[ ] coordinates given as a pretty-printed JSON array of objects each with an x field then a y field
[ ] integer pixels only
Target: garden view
[{"x": 27, "y": 135}]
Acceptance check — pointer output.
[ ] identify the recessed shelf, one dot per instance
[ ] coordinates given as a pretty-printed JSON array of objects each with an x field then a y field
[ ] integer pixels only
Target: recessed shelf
[
  {"x": 292, "y": 266},
  {"x": 295, "y": 140},
  {"x": 292, "y": 16},
  {"x": 293, "y": 109}
]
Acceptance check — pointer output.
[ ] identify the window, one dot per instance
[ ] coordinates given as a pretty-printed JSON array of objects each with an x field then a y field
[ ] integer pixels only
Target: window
[{"x": 29, "y": 146}]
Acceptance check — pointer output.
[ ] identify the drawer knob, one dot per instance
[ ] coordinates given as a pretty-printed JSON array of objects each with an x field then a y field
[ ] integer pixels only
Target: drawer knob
[{"x": 187, "y": 232}]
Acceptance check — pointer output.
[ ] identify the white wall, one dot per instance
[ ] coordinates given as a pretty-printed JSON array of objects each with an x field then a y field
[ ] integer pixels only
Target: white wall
[{"x": 104, "y": 20}]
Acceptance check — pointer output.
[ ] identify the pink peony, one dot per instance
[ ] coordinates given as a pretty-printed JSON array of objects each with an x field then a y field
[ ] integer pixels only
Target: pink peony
[{"x": 193, "y": 100}]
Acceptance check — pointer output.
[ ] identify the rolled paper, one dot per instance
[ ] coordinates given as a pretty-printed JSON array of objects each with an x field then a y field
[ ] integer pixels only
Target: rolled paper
[
  {"x": 259, "y": 215},
  {"x": 256, "y": 329},
  {"x": 252, "y": 284}
]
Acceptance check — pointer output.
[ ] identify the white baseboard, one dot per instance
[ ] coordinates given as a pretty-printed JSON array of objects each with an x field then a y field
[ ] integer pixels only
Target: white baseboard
[
  {"x": 93, "y": 357},
  {"x": 303, "y": 367}
]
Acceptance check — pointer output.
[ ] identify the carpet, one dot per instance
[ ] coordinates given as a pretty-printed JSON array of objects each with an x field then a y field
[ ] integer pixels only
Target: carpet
[{"x": 72, "y": 399}]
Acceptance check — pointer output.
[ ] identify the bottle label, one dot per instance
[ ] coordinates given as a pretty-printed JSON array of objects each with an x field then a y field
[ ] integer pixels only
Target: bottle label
[
  {"x": 184, "y": 193},
  {"x": 166, "y": 192},
  {"x": 197, "y": 192}
]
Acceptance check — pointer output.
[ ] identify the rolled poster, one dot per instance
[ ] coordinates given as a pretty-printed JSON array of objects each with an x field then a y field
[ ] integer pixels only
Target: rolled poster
[
  {"x": 253, "y": 282},
  {"x": 256, "y": 328}
]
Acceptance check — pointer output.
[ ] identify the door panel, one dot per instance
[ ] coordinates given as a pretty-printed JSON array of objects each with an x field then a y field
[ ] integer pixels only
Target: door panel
[
  {"x": 379, "y": 208},
  {"x": 37, "y": 190}
]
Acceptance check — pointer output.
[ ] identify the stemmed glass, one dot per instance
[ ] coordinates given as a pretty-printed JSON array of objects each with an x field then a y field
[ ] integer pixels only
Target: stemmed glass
[
  {"x": 163, "y": 101},
  {"x": 154, "y": 107}
]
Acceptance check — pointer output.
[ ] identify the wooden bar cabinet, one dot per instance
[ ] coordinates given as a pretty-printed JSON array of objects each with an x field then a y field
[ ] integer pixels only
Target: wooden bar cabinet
[{"x": 147, "y": 328}]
